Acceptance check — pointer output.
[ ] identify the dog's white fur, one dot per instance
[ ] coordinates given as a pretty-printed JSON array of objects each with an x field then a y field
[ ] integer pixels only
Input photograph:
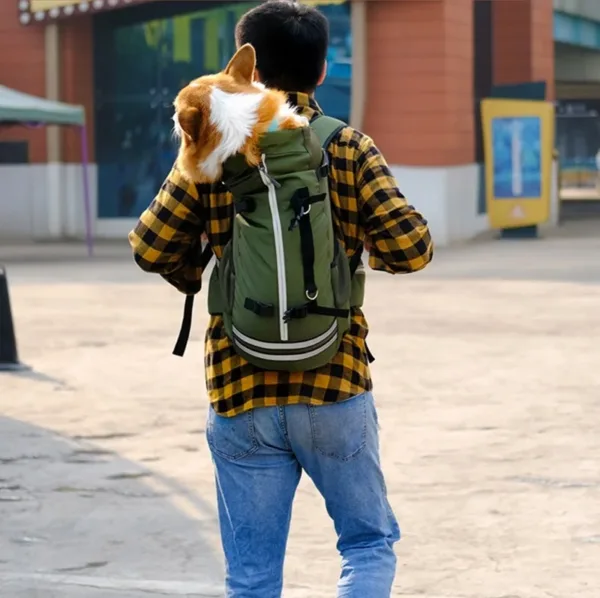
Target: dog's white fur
[
  {"x": 233, "y": 115},
  {"x": 218, "y": 116}
]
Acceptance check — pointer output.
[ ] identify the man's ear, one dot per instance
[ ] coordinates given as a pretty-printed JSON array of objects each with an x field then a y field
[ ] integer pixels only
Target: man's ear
[
  {"x": 241, "y": 67},
  {"x": 189, "y": 120},
  {"x": 323, "y": 74}
]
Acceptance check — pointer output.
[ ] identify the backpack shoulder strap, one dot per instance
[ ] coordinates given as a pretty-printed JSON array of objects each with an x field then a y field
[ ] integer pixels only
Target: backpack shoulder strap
[{"x": 326, "y": 128}]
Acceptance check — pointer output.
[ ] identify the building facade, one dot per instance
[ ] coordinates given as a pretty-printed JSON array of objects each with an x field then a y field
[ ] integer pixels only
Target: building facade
[
  {"x": 577, "y": 49},
  {"x": 407, "y": 72}
]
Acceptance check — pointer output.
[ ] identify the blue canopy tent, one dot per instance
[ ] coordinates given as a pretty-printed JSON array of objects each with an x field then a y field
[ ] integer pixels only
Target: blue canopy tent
[{"x": 21, "y": 108}]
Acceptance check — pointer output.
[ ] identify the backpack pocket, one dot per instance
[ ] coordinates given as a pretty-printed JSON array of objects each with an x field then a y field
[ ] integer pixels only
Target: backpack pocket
[
  {"x": 227, "y": 279},
  {"x": 357, "y": 286},
  {"x": 216, "y": 305},
  {"x": 340, "y": 277}
]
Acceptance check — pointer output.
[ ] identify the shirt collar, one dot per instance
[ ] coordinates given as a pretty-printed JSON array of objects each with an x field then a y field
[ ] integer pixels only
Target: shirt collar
[{"x": 306, "y": 104}]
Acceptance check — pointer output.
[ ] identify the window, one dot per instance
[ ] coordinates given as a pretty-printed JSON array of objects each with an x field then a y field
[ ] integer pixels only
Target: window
[{"x": 143, "y": 56}]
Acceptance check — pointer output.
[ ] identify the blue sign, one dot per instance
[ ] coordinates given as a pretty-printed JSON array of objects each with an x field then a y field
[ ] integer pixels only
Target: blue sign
[
  {"x": 576, "y": 30},
  {"x": 517, "y": 162}
]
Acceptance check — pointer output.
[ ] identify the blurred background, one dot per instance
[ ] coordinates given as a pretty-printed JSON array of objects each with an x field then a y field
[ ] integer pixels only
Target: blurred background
[
  {"x": 409, "y": 73},
  {"x": 487, "y": 361}
]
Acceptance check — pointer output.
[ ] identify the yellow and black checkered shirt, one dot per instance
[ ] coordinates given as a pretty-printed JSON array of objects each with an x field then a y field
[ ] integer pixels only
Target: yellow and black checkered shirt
[{"x": 365, "y": 202}]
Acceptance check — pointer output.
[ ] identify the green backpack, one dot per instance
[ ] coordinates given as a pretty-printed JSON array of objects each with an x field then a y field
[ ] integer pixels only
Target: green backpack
[{"x": 284, "y": 285}]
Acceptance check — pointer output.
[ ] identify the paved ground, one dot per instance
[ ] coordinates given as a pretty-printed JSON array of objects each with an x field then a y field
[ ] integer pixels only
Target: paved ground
[{"x": 488, "y": 385}]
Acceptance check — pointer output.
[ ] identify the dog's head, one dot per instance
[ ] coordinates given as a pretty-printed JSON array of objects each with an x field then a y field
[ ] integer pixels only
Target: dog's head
[{"x": 217, "y": 116}]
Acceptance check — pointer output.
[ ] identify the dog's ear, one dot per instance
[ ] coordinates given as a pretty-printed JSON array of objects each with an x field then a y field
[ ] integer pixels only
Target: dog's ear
[
  {"x": 241, "y": 66},
  {"x": 189, "y": 120}
]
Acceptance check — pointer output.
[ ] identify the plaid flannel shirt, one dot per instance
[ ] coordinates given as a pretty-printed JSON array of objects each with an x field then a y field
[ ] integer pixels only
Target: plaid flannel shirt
[{"x": 365, "y": 202}]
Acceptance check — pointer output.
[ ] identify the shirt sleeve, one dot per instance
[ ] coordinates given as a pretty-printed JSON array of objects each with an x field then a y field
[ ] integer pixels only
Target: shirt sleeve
[
  {"x": 167, "y": 237},
  {"x": 399, "y": 234}
]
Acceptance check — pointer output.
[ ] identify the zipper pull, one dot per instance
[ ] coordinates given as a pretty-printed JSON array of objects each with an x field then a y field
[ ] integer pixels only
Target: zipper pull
[{"x": 262, "y": 167}]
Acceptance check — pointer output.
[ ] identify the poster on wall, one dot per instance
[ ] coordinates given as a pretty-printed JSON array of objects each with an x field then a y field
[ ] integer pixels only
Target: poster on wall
[
  {"x": 518, "y": 144},
  {"x": 578, "y": 143},
  {"x": 139, "y": 68}
]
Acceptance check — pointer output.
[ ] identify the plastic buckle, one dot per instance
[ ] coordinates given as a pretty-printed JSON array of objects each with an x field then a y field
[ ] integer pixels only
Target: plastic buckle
[{"x": 295, "y": 313}]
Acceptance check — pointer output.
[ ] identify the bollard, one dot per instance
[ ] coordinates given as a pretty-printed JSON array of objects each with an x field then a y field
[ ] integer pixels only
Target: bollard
[{"x": 9, "y": 359}]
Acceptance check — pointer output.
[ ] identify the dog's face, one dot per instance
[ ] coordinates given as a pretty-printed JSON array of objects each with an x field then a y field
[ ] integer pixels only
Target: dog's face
[{"x": 217, "y": 116}]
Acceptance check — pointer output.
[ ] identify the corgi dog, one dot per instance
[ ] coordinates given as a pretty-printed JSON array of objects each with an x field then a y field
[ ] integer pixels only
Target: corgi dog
[{"x": 219, "y": 116}]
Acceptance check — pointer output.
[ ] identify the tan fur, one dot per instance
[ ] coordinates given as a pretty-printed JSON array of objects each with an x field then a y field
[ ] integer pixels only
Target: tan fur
[{"x": 199, "y": 137}]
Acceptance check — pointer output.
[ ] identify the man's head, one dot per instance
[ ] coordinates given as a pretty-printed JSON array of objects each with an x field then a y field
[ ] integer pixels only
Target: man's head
[{"x": 290, "y": 40}]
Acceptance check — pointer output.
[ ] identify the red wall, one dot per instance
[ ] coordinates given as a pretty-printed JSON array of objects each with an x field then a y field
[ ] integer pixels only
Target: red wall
[
  {"x": 524, "y": 42},
  {"x": 22, "y": 67},
  {"x": 420, "y": 81},
  {"x": 77, "y": 81}
]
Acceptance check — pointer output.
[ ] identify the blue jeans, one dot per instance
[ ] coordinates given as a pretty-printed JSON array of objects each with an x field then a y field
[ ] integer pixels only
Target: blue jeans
[{"x": 259, "y": 457}]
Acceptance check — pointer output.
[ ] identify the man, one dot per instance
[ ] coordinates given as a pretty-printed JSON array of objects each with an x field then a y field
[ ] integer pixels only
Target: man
[{"x": 265, "y": 428}]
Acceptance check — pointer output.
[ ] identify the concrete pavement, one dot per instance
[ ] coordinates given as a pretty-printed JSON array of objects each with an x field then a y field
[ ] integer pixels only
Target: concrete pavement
[{"x": 487, "y": 380}]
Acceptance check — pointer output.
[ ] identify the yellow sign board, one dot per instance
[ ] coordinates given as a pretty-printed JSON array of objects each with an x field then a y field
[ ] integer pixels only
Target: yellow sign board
[
  {"x": 50, "y": 4},
  {"x": 518, "y": 140},
  {"x": 44, "y": 5}
]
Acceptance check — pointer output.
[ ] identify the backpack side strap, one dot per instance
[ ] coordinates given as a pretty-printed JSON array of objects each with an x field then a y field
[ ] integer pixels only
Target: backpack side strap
[{"x": 188, "y": 308}]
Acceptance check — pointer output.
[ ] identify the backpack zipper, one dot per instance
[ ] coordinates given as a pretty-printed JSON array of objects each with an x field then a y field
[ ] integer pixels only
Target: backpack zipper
[{"x": 279, "y": 248}]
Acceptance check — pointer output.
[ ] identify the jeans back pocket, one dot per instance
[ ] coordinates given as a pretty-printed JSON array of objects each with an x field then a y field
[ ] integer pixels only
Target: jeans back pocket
[
  {"x": 232, "y": 438},
  {"x": 339, "y": 430}
]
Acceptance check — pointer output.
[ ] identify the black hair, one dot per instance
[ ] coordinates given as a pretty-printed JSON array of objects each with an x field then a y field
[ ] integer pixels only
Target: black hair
[{"x": 291, "y": 41}]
